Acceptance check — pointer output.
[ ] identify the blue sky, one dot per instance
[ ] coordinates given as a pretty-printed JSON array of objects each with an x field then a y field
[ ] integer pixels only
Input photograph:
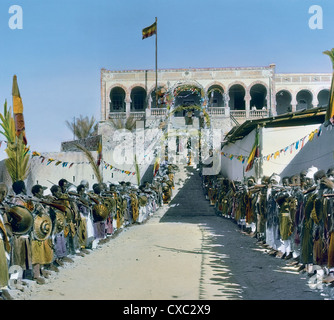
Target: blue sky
[{"x": 58, "y": 54}]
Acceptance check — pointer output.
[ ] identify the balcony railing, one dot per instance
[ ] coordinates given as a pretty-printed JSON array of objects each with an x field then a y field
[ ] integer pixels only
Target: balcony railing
[
  {"x": 123, "y": 115},
  {"x": 117, "y": 115},
  {"x": 137, "y": 114},
  {"x": 216, "y": 111},
  {"x": 159, "y": 112},
  {"x": 258, "y": 113},
  {"x": 238, "y": 113},
  {"x": 213, "y": 111}
]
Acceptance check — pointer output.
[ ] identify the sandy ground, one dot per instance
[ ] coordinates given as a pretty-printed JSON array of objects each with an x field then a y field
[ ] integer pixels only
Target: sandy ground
[
  {"x": 134, "y": 265},
  {"x": 187, "y": 258},
  {"x": 148, "y": 261}
]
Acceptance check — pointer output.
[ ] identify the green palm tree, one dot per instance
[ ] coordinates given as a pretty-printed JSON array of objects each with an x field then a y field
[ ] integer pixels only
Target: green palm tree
[
  {"x": 17, "y": 162},
  {"x": 330, "y": 109},
  {"x": 83, "y": 127},
  {"x": 129, "y": 123}
]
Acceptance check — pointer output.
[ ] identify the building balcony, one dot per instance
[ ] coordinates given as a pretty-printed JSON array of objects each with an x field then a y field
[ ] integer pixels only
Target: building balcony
[
  {"x": 215, "y": 112},
  {"x": 137, "y": 115}
]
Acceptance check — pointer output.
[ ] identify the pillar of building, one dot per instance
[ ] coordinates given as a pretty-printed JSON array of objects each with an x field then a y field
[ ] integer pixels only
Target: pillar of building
[
  {"x": 104, "y": 113},
  {"x": 148, "y": 111},
  {"x": 247, "y": 104},
  {"x": 294, "y": 102},
  {"x": 315, "y": 101},
  {"x": 127, "y": 107},
  {"x": 226, "y": 99}
]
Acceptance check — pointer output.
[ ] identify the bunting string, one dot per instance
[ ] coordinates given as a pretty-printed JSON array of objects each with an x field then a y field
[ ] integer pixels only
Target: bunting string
[
  {"x": 67, "y": 164},
  {"x": 297, "y": 145}
]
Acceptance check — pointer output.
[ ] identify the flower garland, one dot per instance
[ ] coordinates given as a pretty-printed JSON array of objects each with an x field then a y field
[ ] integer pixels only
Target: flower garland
[{"x": 181, "y": 107}]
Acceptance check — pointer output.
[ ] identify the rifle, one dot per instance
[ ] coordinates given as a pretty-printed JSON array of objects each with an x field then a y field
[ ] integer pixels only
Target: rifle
[{"x": 328, "y": 195}]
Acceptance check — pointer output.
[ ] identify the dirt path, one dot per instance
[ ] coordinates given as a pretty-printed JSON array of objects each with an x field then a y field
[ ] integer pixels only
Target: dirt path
[
  {"x": 182, "y": 252},
  {"x": 149, "y": 261}
]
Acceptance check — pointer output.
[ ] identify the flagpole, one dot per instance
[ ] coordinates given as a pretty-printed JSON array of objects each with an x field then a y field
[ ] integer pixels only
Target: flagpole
[{"x": 156, "y": 63}]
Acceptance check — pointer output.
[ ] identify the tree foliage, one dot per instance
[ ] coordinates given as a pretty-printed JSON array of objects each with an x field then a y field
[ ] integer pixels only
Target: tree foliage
[
  {"x": 83, "y": 127},
  {"x": 17, "y": 162},
  {"x": 129, "y": 123}
]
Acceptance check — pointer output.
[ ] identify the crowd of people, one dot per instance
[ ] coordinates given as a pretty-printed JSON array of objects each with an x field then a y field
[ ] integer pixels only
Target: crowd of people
[
  {"x": 40, "y": 232},
  {"x": 292, "y": 217}
]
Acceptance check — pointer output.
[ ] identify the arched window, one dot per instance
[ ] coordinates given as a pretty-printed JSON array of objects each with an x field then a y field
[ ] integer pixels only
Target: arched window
[
  {"x": 215, "y": 96},
  {"x": 138, "y": 99},
  {"x": 304, "y": 100},
  {"x": 237, "y": 97},
  {"x": 283, "y": 102},
  {"x": 117, "y": 100},
  {"x": 160, "y": 95},
  {"x": 323, "y": 98},
  {"x": 258, "y": 94},
  {"x": 186, "y": 95}
]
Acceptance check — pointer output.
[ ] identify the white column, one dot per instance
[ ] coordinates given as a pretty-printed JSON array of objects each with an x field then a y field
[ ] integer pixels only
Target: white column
[
  {"x": 315, "y": 102},
  {"x": 226, "y": 104},
  {"x": 247, "y": 104},
  {"x": 294, "y": 102},
  {"x": 104, "y": 101},
  {"x": 128, "y": 107}
]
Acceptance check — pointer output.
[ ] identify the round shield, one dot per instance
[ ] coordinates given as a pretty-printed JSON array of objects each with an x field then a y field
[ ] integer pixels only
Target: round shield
[
  {"x": 30, "y": 205},
  {"x": 100, "y": 212},
  {"x": 110, "y": 203},
  {"x": 60, "y": 221},
  {"x": 142, "y": 201},
  {"x": 42, "y": 227},
  {"x": 169, "y": 183},
  {"x": 21, "y": 220}
]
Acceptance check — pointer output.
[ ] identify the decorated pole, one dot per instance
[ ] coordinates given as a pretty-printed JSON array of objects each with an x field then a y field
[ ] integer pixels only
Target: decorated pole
[
  {"x": 148, "y": 32},
  {"x": 156, "y": 62},
  {"x": 18, "y": 111}
]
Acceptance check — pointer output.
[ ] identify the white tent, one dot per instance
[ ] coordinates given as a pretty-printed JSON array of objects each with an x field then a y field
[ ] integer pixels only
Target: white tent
[
  {"x": 318, "y": 153},
  {"x": 281, "y": 140}
]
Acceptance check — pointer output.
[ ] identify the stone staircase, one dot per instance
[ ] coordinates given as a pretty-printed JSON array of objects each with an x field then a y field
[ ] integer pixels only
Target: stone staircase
[{"x": 189, "y": 201}]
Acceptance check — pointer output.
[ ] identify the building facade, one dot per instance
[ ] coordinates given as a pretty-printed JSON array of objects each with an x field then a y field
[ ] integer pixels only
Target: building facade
[{"x": 233, "y": 94}]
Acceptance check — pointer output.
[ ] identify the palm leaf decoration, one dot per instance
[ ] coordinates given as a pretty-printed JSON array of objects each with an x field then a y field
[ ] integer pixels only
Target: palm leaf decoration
[
  {"x": 330, "y": 109},
  {"x": 17, "y": 162},
  {"x": 92, "y": 162},
  {"x": 137, "y": 171},
  {"x": 129, "y": 123}
]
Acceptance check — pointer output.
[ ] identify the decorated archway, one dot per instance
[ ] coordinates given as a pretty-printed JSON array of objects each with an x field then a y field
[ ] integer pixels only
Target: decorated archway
[
  {"x": 187, "y": 97},
  {"x": 191, "y": 108},
  {"x": 186, "y": 93}
]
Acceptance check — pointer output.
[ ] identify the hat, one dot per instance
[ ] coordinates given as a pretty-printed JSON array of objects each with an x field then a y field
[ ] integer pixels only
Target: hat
[
  {"x": 310, "y": 172},
  {"x": 275, "y": 177},
  {"x": 35, "y": 189},
  {"x": 319, "y": 174},
  {"x": 85, "y": 183}
]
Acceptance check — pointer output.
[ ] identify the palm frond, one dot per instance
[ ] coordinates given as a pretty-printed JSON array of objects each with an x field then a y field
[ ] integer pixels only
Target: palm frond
[
  {"x": 82, "y": 127},
  {"x": 92, "y": 162},
  {"x": 129, "y": 123},
  {"x": 330, "y": 53},
  {"x": 137, "y": 171},
  {"x": 17, "y": 163}
]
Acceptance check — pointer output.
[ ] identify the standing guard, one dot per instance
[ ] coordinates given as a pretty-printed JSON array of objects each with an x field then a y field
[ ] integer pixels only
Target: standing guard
[
  {"x": 5, "y": 244},
  {"x": 42, "y": 251},
  {"x": 21, "y": 220}
]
